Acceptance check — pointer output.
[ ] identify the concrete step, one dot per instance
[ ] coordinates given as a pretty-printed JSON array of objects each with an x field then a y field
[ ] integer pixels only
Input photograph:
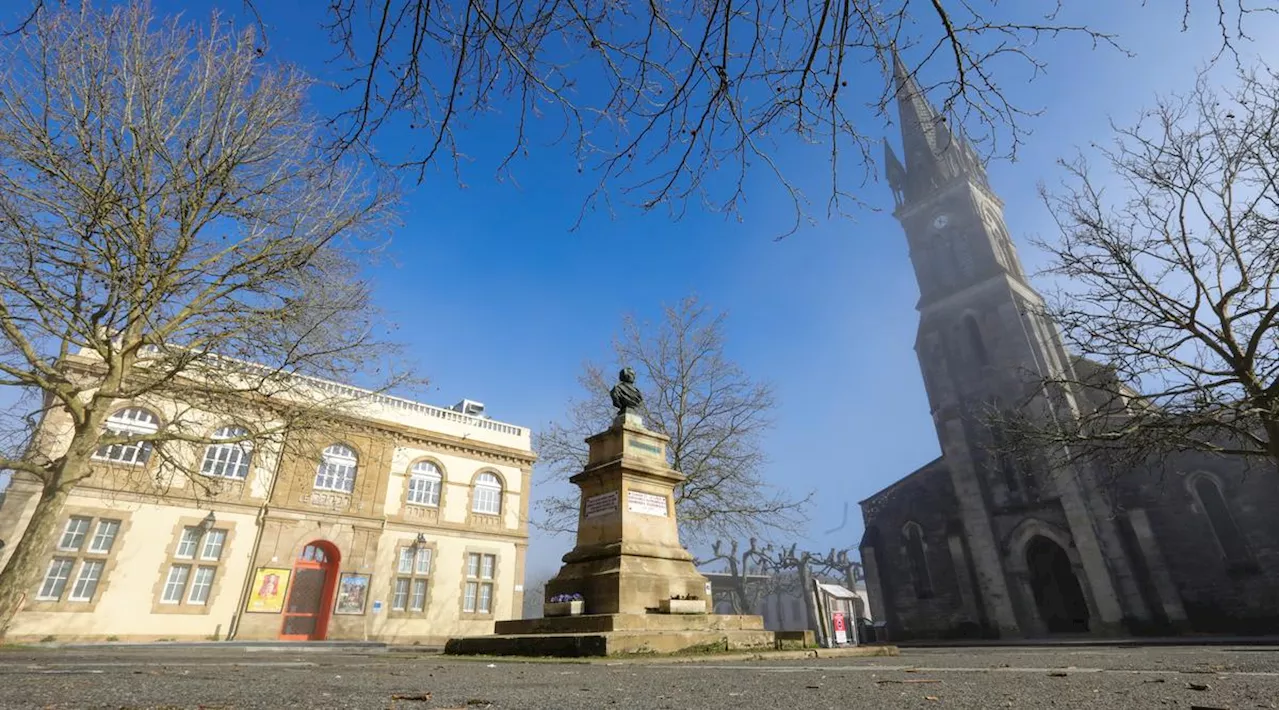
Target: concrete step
[
  {"x": 603, "y": 623},
  {"x": 610, "y": 643}
]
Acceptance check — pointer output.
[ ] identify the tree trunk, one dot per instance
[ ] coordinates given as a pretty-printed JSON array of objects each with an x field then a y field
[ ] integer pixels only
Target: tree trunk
[
  {"x": 22, "y": 573},
  {"x": 811, "y": 604}
]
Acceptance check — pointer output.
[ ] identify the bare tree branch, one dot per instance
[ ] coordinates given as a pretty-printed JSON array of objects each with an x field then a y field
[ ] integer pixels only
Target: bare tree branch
[
  {"x": 173, "y": 236},
  {"x": 1167, "y": 287},
  {"x": 713, "y": 412}
]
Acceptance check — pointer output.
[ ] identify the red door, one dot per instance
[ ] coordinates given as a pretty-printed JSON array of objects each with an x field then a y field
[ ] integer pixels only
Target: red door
[{"x": 306, "y": 612}]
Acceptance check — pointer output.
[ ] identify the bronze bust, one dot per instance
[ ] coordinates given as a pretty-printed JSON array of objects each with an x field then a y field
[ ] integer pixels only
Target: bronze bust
[{"x": 625, "y": 395}]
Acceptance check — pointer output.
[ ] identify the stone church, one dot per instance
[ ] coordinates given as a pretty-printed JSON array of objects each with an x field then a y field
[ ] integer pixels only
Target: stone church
[{"x": 975, "y": 545}]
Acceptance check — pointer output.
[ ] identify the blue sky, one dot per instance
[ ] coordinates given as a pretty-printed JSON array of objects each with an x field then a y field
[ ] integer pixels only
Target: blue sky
[{"x": 501, "y": 303}]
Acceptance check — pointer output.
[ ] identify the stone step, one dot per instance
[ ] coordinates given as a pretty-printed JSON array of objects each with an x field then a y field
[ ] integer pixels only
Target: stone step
[
  {"x": 598, "y": 623},
  {"x": 610, "y": 644}
]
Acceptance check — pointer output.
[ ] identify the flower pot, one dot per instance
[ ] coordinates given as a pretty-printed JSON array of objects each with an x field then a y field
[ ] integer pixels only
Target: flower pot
[
  {"x": 562, "y": 608},
  {"x": 682, "y": 606}
]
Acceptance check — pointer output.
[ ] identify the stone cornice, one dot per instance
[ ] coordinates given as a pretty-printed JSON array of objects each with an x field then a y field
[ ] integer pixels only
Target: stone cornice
[{"x": 492, "y": 453}]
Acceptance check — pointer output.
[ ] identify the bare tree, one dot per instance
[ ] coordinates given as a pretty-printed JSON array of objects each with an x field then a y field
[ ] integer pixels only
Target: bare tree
[
  {"x": 170, "y": 231},
  {"x": 669, "y": 104},
  {"x": 1167, "y": 285},
  {"x": 751, "y": 572},
  {"x": 761, "y": 571},
  {"x": 673, "y": 104},
  {"x": 713, "y": 412}
]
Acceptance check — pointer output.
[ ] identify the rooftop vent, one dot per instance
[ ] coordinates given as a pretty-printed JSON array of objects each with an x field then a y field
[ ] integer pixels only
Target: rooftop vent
[{"x": 469, "y": 407}]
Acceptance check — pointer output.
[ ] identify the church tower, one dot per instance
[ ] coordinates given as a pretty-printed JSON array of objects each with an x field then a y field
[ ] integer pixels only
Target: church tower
[{"x": 980, "y": 342}]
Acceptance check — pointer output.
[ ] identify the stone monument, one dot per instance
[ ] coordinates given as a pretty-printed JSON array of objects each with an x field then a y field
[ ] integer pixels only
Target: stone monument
[{"x": 628, "y": 565}]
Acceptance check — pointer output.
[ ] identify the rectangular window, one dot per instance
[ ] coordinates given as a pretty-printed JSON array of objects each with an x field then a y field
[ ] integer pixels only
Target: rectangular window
[
  {"x": 401, "y": 595},
  {"x": 55, "y": 578},
  {"x": 175, "y": 584},
  {"x": 478, "y": 593},
  {"x": 213, "y": 544},
  {"x": 201, "y": 585},
  {"x": 188, "y": 544},
  {"x": 418, "y": 601},
  {"x": 105, "y": 537},
  {"x": 192, "y": 567},
  {"x": 73, "y": 534},
  {"x": 413, "y": 569},
  {"x": 76, "y": 570},
  {"x": 87, "y": 581}
]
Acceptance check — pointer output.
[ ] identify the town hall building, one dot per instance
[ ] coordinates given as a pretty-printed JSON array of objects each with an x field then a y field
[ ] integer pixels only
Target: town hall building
[
  {"x": 391, "y": 521},
  {"x": 973, "y": 544}
]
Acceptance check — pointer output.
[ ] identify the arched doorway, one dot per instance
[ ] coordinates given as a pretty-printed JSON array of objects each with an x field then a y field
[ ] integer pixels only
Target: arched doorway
[
  {"x": 306, "y": 612},
  {"x": 1059, "y": 600}
]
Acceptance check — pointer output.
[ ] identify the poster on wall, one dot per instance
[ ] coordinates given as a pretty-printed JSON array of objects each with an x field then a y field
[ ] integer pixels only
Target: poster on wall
[
  {"x": 352, "y": 590},
  {"x": 270, "y": 584}
]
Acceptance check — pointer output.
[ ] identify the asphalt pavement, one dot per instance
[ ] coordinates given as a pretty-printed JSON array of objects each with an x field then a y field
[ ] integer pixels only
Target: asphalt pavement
[{"x": 1069, "y": 677}]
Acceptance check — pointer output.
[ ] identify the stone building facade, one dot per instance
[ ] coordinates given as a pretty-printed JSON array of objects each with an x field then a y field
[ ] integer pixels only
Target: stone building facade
[
  {"x": 402, "y": 523},
  {"x": 978, "y": 544}
]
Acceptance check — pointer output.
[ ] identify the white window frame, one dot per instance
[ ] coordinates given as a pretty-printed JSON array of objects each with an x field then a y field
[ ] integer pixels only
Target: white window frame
[
  {"x": 75, "y": 536},
  {"x": 426, "y": 480},
  {"x": 65, "y": 565},
  {"x": 486, "y": 494},
  {"x": 337, "y": 469},
  {"x": 413, "y": 573},
  {"x": 87, "y": 580},
  {"x": 104, "y": 537},
  {"x": 400, "y": 594},
  {"x": 130, "y": 420},
  {"x": 172, "y": 584},
  {"x": 199, "y": 584},
  {"x": 477, "y": 596},
  {"x": 418, "y": 594},
  {"x": 189, "y": 544},
  {"x": 230, "y": 460},
  {"x": 206, "y": 541}
]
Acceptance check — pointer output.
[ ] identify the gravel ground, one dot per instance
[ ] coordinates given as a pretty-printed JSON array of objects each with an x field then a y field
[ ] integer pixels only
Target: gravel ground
[{"x": 1179, "y": 677}]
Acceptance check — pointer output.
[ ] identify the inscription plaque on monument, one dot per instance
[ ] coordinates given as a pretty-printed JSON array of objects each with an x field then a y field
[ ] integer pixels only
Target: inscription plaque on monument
[
  {"x": 603, "y": 504},
  {"x": 646, "y": 447},
  {"x": 647, "y": 503}
]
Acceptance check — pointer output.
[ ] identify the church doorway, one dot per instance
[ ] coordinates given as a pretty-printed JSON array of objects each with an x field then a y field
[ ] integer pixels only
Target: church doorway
[{"x": 1059, "y": 600}]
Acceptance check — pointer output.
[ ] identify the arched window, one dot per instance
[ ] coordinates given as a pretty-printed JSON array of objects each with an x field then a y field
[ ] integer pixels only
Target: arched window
[
  {"x": 313, "y": 553},
  {"x": 914, "y": 539},
  {"x": 229, "y": 460},
  {"x": 486, "y": 496},
  {"x": 424, "y": 484},
  {"x": 975, "y": 339},
  {"x": 337, "y": 471},
  {"x": 1233, "y": 545},
  {"x": 133, "y": 420}
]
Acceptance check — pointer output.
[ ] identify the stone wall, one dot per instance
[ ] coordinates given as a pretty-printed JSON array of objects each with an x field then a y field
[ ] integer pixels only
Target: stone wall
[
  {"x": 1220, "y": 593},
  {"x": 927, "y": 499}
]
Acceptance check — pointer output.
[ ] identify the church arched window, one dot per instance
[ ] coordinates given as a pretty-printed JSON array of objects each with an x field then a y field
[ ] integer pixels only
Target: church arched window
[
  {"x": 913, "y": 538},
  {"x": 976, "y": 345},
  {"x": 1214, "y": 507}
]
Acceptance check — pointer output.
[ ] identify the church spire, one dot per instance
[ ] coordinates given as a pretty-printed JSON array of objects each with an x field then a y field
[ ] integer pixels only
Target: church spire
[{"x": 932, "y": 154}]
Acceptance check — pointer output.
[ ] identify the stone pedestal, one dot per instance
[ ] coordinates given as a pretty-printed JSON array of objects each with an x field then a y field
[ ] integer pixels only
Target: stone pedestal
[
  {"x": 627, "y": 562},
  {"x": 628, "y": 557}
]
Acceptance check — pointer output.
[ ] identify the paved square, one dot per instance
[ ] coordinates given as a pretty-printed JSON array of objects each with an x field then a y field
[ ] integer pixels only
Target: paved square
[{"x": 1181, "y": 677}]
